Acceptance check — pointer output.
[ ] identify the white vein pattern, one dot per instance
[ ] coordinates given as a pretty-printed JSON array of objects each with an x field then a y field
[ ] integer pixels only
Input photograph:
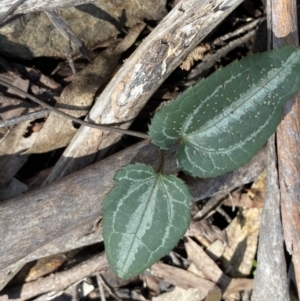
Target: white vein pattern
[
  {"x": 224, "y": 120},
  {"x": 145, "y": 215}
]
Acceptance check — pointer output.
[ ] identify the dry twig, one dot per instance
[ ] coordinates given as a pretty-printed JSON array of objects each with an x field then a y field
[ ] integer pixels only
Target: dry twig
[
  {"x": 56, "y": 282},
  {"x": 29, "y": 116},
  {"x": 64, "y": 227},
  {"x": 100, "y": 286},
  {"x": 109, "y": 128},
  {"x": 140, "y": 76}
]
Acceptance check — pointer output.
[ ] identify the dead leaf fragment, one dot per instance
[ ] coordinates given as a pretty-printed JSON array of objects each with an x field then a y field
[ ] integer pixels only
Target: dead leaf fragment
[
  {"x": 243, "y": 237},
  {"x": 12, "y": 148},
  {"x": 77, "y": 98},
  {"x": 207, "y": 230},
  {"x": 92, "y": 22},
  {"x": 22, "y": 84},
  {"x": 196, "y": 55},
  {"x": 212, "y": 272}
]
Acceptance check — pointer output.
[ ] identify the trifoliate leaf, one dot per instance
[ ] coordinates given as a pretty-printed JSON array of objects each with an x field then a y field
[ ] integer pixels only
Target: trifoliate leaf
[
  {"x": 144, "y": 216},
  {"x": 224, "y": 120}
]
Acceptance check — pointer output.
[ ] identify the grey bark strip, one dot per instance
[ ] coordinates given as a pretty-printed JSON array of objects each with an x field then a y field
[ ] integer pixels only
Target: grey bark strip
[
  {"x": 29, "y": 116},
  {"x": 80, "y": 236},
  {"x": 10, "y": 10},
  {"x": 140, "y": 76},
  {"x": 270, "y": 277},
  {"x": 90, "y": 232},
  {"x": 38, "y": 5},
  {"x": 56, "y": 282},
  {"x": 60, "y": 215},
  {"x": 285, "y": 31}
]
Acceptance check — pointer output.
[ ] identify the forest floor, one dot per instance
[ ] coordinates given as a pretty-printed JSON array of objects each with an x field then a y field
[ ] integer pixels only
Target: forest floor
[{"x": 35, "y": 57}]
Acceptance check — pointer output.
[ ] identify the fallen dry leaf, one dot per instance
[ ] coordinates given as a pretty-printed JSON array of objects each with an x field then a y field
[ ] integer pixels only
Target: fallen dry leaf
[
  {"x": 12, "y": 148},
  {"x": 242, "y": 234},
  {"x": 197, "y": 54},
  {"x": 253, "y": 198},
  {"x": 212, "y": 272},
  {"x": 77, "y": 98},
  {"x": 42, "y": 267},
  {"x": 207, "y": 230}
]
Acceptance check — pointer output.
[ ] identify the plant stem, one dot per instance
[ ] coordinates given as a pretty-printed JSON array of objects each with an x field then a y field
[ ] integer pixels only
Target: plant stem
[
  {"x": 161, "y": 162},
  {"x": 82, "y": 122}
]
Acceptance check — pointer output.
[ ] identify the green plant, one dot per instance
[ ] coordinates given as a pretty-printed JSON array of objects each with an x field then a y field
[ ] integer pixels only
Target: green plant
[{"x": 221, "y": 124}]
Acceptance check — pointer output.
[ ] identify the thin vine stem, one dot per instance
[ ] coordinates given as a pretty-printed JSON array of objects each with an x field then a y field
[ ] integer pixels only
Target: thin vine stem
[
  {"x": 161, "y": 162},
  {"x": 82, "y": 122}
]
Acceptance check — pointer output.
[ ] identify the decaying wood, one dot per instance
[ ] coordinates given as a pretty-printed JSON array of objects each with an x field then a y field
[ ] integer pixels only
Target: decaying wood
[
  {"x": 59, "y": 202},
  {"x": 212, "y": 272},
  {"x": 91, "y": 232},
  {"x": 47, "y": 217},
  {"x": 288, "y": 147},
  {"x": 30, "y": 116},
  {"x": 35, "y": 5},
  {"x": 70, "y": 117},
  {"x": 56, "y": 282},
  {"x": 83, "y": 235},
  {"x": 285, "y": 31},
  {"x": 12, "y": 146},
  {"x": 282, "y": 184},
  {"x": 64, "y": 215},
  {"x": 186, "y": 280},
  {"x": 270, "y": 277},
  {"x": 140, "y": 76}
]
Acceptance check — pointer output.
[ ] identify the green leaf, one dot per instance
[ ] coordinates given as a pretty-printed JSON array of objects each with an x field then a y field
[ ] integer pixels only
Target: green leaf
[
  {"x": 144, "y": 216},
  {"x": 224, "y": 120}
]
